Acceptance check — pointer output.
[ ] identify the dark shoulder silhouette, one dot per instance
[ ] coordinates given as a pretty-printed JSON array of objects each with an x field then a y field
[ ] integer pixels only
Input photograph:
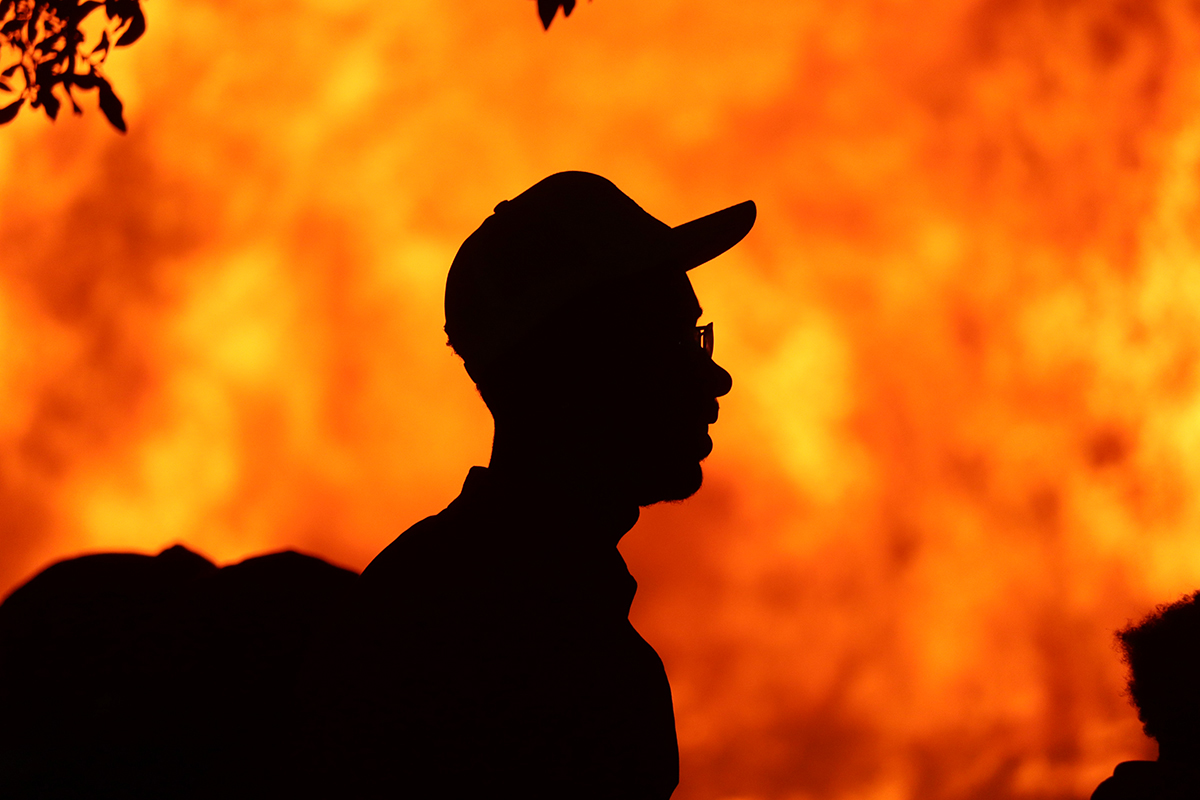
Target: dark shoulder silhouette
[
  {"x": 133, "y": 676},
  {"x": 1163, "y": 655}
]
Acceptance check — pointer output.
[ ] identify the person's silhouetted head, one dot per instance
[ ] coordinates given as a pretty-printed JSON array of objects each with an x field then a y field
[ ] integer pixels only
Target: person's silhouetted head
[
  {"x": 573, "y": 313},
  {"x": 1163, "y": 654}
]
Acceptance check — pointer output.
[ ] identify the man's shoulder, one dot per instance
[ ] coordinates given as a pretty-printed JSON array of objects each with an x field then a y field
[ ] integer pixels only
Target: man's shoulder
[
  {"x": 1150, "y": 780},
  {"x": 422, "y": 542},
  {"x": 439, "y": 554},
  {"x": 462, "y": 536}
]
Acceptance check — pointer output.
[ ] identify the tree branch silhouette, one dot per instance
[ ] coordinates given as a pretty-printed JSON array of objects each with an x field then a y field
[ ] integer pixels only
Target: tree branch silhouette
[{"x": 48, "y": 55}]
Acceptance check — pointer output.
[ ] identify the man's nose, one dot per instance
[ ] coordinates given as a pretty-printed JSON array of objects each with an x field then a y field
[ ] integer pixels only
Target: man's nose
[{"x": 719, "y": 381}]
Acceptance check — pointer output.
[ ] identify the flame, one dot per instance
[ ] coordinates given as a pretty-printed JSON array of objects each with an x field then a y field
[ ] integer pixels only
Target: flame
[{"x": 962, "y": 446}]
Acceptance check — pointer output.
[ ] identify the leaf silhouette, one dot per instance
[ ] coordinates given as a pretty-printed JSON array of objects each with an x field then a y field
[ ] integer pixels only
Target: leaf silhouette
[
  {"x": 10, "y": 111},
  {"x": 137, "y": 26},
  {"x": 111, "y": 105},
  {"x": 120, "y": 9},
  {"x": 71, "y": 96},
  {"x": 101, "y": 46},
  {"x": 49, "y": 102},
  {"x": 548, "y": 8}
]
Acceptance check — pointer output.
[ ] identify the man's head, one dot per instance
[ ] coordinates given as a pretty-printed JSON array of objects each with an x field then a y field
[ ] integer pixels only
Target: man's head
[
  {"x": 1163, "y": 653},
  {"x": 573, "y": 313}
]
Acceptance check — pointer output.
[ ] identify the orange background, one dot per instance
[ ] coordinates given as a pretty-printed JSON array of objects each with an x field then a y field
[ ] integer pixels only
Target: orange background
[{"x": 962, "y": 444}]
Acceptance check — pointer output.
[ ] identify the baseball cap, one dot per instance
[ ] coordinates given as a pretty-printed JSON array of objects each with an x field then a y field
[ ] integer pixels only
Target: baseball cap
[{"x": 567, "y": 234}]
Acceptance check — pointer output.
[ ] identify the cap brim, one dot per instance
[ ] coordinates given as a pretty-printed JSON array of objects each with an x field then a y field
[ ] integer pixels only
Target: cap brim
[{"x": 705, "y": 238}]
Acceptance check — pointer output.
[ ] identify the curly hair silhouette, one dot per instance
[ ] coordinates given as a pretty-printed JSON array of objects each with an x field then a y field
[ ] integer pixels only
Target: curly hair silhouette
[{"x": 1163, "y": 654}]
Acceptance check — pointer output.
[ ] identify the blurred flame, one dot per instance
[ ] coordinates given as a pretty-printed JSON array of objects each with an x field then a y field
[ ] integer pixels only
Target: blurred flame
[{"x": 963, "y": 441}]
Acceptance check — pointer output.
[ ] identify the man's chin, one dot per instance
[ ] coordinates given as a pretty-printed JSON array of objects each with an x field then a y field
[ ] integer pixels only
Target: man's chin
[{"x": 667, "y": 485}]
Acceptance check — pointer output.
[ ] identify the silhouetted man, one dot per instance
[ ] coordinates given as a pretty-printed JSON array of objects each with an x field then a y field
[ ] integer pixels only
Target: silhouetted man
[
  {"x": 1163, "y": 653},
  {"x": 487, "y": 652}
]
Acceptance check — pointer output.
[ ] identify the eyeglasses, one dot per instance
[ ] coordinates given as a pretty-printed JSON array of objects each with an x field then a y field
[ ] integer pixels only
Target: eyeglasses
[{"x": 703, "y": 336}]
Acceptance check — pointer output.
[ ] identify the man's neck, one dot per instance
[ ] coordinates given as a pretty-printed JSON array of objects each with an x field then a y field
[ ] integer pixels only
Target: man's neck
[
  {"x": 1183, "y": 755},
  {"x": 567, "y": 486}
]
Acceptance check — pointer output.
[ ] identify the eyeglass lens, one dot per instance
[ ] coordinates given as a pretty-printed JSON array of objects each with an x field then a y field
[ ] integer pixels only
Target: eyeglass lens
[{"x": 704, "y": 338}]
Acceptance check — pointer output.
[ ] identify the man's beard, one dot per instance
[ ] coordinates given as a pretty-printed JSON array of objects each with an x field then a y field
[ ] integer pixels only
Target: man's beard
[{"x": 668, "y": 482}]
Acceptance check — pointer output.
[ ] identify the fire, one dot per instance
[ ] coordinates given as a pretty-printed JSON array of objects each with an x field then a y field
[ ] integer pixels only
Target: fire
[{"x": 962, "y": 445}]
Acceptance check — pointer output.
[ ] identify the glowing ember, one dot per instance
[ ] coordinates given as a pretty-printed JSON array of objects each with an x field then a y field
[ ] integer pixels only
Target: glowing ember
[{"x": 963, "y": 444}]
